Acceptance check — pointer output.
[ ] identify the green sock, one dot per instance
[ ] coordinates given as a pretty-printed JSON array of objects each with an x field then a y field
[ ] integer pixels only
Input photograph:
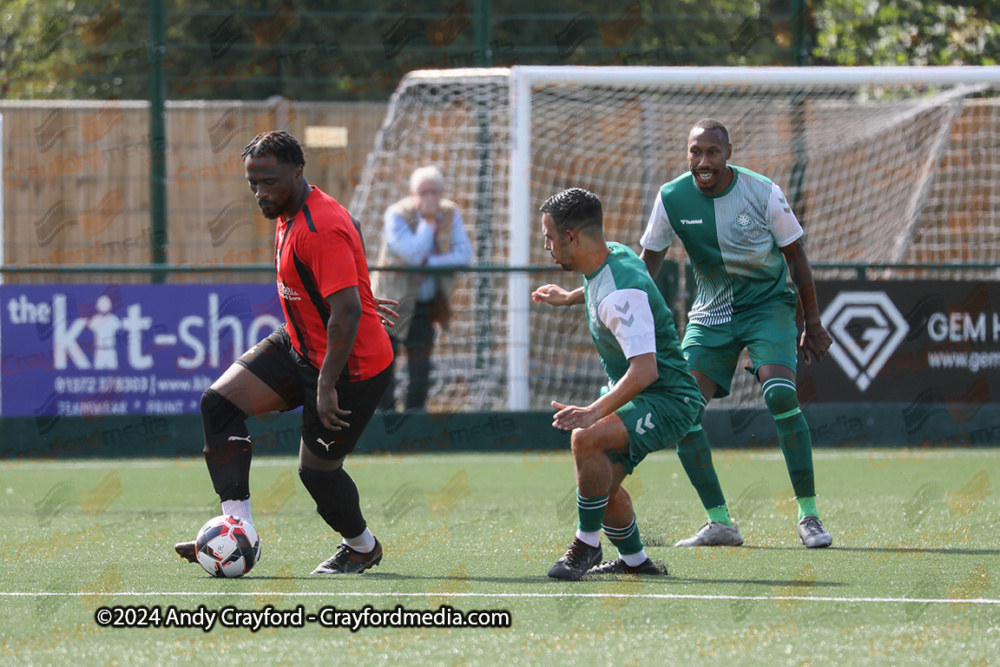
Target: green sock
[
  {"x": 720, "y": 514},
  {"x": 696, "y": 458},
  {"x": 626, "y": 540},
  {"x": 591, "y": 511},
  {"x": 807, "y": 507},
  {"x": 793, "y": 434}
]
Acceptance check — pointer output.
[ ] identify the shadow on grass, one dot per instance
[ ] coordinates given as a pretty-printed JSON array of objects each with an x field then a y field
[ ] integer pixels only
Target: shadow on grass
[
  {"x": 888, "y": 550},
  {"x": 916, "y": 550},
  {"x": 758, "y": 582},
  {"x": 541, "y": 578}
]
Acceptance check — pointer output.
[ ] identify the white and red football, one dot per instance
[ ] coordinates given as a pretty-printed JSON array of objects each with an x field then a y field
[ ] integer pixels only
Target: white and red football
[{"x": 227, "y": 546}]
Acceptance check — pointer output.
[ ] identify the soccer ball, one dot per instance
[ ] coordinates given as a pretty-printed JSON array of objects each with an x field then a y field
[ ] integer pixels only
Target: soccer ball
[{"x": 227, "y": 546}]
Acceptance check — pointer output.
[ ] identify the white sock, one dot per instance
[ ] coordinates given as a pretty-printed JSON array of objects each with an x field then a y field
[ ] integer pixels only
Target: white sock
[
  {"x": 238, "y": 508},
  {"x": 364, "y": 542},
  {"x": 635, "y": 559},
  {"x": 593, "y": 539}
]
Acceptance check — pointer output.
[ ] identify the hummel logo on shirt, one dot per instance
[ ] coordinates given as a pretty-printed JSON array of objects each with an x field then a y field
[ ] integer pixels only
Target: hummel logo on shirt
[{"x": 691, "y": 222}]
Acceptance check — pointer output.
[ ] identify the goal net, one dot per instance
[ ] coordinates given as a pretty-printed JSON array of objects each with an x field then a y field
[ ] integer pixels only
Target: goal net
[{"x": 882, "y": 166}]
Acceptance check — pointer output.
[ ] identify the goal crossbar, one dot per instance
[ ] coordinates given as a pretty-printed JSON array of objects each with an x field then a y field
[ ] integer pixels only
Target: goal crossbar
[{"x": 916, "y": 113}]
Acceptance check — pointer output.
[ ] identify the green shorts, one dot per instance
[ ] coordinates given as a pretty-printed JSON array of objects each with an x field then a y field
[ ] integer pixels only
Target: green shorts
[
  {"x": 654, "y": 422},
  {"x": 767, "y": 332}
]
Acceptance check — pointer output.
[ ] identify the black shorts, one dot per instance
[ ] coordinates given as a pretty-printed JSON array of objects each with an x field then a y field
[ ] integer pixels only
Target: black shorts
[{"x": 281, "y": 368}]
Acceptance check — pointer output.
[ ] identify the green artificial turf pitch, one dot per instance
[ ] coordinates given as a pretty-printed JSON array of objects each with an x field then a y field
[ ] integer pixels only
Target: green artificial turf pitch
[{"x": 915, "y": 543}]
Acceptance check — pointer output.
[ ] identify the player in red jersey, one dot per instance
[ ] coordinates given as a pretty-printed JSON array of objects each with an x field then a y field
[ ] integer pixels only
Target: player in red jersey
[{"x": 331, "y": 357}]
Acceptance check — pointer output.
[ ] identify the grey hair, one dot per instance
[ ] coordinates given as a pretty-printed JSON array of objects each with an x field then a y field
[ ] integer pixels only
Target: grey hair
[{"x": 429, "y": 173}]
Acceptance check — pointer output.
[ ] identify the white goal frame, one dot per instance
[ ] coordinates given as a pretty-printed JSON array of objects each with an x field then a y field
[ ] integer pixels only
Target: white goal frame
[{"x": 524, "y": 78}]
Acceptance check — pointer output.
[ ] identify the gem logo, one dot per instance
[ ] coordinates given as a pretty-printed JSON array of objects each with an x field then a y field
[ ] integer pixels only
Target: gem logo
[{"x": 866, "y": 328}]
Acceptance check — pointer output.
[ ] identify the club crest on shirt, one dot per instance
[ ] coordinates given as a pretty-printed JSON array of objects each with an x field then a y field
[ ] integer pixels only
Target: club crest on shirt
[
  {"x": 743, "y": 220},
  {"x": 288, "y": 293}
]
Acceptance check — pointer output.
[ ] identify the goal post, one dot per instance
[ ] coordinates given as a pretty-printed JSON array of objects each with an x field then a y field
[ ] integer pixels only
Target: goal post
[
  {"x": 521, "y": 220},
  {"x": 882, "y": 165}
]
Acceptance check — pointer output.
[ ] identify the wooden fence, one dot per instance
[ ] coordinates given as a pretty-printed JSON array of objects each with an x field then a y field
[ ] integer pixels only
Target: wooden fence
[{"x": 76, "y": 179}]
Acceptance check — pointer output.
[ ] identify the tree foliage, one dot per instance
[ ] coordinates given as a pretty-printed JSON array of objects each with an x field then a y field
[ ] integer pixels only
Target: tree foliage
[
  {"x": 907, "y": 32},
  {"x": 337, "y": 50}
]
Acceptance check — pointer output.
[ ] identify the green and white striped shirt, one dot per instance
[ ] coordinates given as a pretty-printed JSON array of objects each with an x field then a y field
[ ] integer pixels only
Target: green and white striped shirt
[
  {"x": 734, "y": 240},
  {"x": 627, "y": 316}
]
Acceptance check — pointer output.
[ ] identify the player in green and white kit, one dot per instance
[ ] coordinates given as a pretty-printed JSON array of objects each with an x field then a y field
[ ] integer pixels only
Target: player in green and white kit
[
  {"x": 740, "y": 232},
  {"x": 652, "y": 401}
]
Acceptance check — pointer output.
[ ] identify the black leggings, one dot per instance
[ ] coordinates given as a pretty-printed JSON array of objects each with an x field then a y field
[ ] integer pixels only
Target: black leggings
[{"x": 419, "y": 345}]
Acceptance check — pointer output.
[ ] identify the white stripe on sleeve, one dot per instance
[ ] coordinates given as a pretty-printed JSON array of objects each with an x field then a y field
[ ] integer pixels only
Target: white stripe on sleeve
[
  {"x": 659, "y": 234},
  {"x": 784, "y": 226},
  {"x": 627, "y": 315}
]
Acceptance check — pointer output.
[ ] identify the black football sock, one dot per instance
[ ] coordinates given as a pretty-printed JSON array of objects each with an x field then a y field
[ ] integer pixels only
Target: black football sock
[
  {"x": 228, "y": 451},
  {"x": 337, "y": 499}
]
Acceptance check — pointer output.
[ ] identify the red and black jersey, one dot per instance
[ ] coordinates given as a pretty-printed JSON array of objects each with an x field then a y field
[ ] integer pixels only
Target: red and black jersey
[{"x": 317, "y": 253}]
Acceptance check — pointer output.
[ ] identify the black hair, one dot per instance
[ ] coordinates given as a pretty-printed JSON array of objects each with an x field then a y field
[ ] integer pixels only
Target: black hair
[
  {"x": 710, "y": 124},
  {"x": 574, "y": 208},
  {"x": 278, "y": 143}
]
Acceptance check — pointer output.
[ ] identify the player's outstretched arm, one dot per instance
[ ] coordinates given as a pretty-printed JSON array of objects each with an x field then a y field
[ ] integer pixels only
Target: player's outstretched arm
[
  {"x": 641, "y": 373},
  {"x": 815, "y": 340},
  {"x": 557, "y": 296}
]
